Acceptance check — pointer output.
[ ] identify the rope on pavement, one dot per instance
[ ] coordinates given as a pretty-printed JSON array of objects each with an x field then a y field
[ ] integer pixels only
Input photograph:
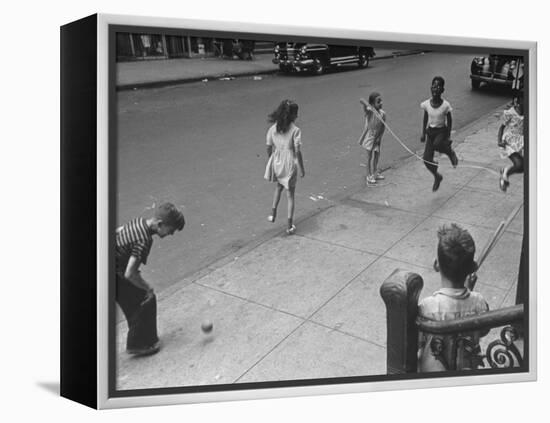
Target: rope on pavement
[{"x": 498, "y": 233}]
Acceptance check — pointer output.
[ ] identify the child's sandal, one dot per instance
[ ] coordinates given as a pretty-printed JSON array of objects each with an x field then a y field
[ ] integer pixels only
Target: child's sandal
[{"x": 291, "y": 230}]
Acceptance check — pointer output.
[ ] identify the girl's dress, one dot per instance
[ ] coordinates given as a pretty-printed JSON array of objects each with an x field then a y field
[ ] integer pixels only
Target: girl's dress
[
  {"x": 512, "y": 135},
  {"x": 374, "y": 129},
  {"x": 282, "y": 166}
]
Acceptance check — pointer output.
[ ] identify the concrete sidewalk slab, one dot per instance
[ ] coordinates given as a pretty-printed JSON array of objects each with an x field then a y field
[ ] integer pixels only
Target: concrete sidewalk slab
[
  {"x": 500, "y": 269},
  {"x": 409, "y": 195},
  {"x": 517, "y": 223},
  {"x": 353, "y": 224},
  {"x": 481, "y": 208},
  {"x": 359, "y": 309},
  {"x": 290, "y": 273},
  {"x": 480, "y": 154},
  {"x": 414, "y": 171},
  {"x": 419, "y": 247},
  {"x": 315, "y": 352},
  {"x": 243, "y": 333},
  {"x": 489, "y": 181}
]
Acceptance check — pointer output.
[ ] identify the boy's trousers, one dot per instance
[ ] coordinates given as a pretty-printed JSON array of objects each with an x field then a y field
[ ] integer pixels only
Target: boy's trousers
[
  {"x": 141, "y": 318},
  {"x": 436, "y": 140}
]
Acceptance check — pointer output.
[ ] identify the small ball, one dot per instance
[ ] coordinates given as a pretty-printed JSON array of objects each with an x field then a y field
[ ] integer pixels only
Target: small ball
[{"x": 207, "y": 327}]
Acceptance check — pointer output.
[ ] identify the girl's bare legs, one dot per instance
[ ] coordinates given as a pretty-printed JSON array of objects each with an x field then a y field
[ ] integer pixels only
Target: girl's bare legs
[
  {"x": 290, "y": 202},
  {"x": 276, "y": 199},
  {"x": 369, "y": 158},
  {"x": 375, "y": 162},
  {"x": 517, "y": 167}
]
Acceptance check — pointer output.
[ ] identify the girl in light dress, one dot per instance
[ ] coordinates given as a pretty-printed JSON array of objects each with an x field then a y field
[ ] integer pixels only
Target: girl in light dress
[
  {"x": 372, "y": 135},
  {"x": 510, "y": 138},
  {"x": 284, "y": 143}
]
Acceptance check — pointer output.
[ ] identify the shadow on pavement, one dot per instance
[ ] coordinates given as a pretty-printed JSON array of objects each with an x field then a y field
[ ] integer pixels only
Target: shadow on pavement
[{"x": 52, "y": 387}]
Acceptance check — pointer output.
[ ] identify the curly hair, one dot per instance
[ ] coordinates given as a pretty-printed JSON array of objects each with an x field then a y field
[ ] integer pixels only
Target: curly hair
[
  {"x": 373, "y": 96},
  {"x": 284, "y": 115},
  {"x": 455, "y": 253},
  {"x": 439, "y": 79}
]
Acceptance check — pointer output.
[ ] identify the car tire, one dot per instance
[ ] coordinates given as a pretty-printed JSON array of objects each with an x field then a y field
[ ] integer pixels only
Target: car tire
[
  {"x": 363, "y": 61},
  {"x": 318, "y": 67},
  {"x": 475, "y": 84}
]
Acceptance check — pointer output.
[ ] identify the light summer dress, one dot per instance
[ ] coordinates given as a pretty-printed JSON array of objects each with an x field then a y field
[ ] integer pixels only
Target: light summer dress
[
  {"x": 282, "y": 166},
  {"x": 513, "y": 131}
]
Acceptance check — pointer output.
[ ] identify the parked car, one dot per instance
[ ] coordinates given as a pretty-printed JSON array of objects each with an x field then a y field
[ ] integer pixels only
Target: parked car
[
  {"x": 317, "y": 58},
  {"x": 497, "y": 69}
]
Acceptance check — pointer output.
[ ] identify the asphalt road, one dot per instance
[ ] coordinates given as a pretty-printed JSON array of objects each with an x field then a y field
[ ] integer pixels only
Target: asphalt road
[{"x": 202, "y": 146}]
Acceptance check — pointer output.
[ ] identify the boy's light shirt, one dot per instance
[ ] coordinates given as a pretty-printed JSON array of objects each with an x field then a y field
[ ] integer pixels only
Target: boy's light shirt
[
  {"x": 452, "y": 303},
  {"x": 449, "y": 304}
]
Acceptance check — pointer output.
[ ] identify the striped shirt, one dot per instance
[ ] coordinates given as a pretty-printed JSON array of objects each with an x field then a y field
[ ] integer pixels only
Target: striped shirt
[{"x": 132, "y": 239}]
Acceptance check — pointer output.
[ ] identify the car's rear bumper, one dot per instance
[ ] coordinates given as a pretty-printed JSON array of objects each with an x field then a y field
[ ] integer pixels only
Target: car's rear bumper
[{"x": 492, "y": 80}]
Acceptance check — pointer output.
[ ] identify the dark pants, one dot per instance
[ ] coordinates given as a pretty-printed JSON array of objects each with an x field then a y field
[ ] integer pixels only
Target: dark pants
[
  {"x": 141, "y": 318},
  {"x": 436, "y": 140},
  {"x": 517, "y": 164}
]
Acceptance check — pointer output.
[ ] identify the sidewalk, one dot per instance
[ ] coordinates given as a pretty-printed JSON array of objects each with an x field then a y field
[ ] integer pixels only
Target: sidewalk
[
  {"x": 153, "y": 73},
  {"x": 308, "y": 306}
]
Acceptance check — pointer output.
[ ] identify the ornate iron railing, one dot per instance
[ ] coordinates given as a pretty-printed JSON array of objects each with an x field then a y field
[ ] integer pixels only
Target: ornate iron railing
[{"x": 451, "y": 341}]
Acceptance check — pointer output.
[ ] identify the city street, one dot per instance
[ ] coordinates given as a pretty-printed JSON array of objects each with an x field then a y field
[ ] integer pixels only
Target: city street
[{"x": 202, "y": 145}]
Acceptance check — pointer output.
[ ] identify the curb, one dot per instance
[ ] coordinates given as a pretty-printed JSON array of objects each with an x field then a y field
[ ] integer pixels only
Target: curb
[
  {"x": 180, "y": 81},
  {"x": 170, "y": 82}
]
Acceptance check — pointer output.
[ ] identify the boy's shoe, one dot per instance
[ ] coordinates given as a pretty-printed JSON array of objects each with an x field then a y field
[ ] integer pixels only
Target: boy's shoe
[
  {"x": 454, "y": 159},
  {"x": 291, "y": 230},
  {"x": 371, "y": 180},
  {"x": 271, "y": 218},
  {"x": 153, "y": 349},
  {"x": 437, "y": 182},
  {"x": 379, "y": 177}
]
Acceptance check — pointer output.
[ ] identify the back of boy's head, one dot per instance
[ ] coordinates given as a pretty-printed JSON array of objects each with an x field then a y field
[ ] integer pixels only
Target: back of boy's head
[
  {"x": 455, "y": 253},
  {"x": 169, "y": 214},
  {"x": 373, "y": 96},
  {"x": 439, "y": 79}
]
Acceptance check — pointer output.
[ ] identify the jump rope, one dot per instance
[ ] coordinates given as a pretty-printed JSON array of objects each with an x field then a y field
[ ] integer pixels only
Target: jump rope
[
  {"x": 416, "y": 155},
  {"x": 503, "y": 224}
]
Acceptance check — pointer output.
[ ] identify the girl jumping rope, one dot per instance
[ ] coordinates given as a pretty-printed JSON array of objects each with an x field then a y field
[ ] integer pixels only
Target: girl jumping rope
[
  {"x": 284, "y": 157},
  {"x": 372, "y": 135},
  {"x": 510, "y": 138}
]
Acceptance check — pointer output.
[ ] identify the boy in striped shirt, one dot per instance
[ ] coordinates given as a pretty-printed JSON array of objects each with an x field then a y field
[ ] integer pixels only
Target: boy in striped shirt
[{"x": 134, "y": 295}]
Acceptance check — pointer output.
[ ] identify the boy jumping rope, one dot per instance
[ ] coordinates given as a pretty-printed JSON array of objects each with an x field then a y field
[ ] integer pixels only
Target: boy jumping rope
[{"x": 436, "y": 129}]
